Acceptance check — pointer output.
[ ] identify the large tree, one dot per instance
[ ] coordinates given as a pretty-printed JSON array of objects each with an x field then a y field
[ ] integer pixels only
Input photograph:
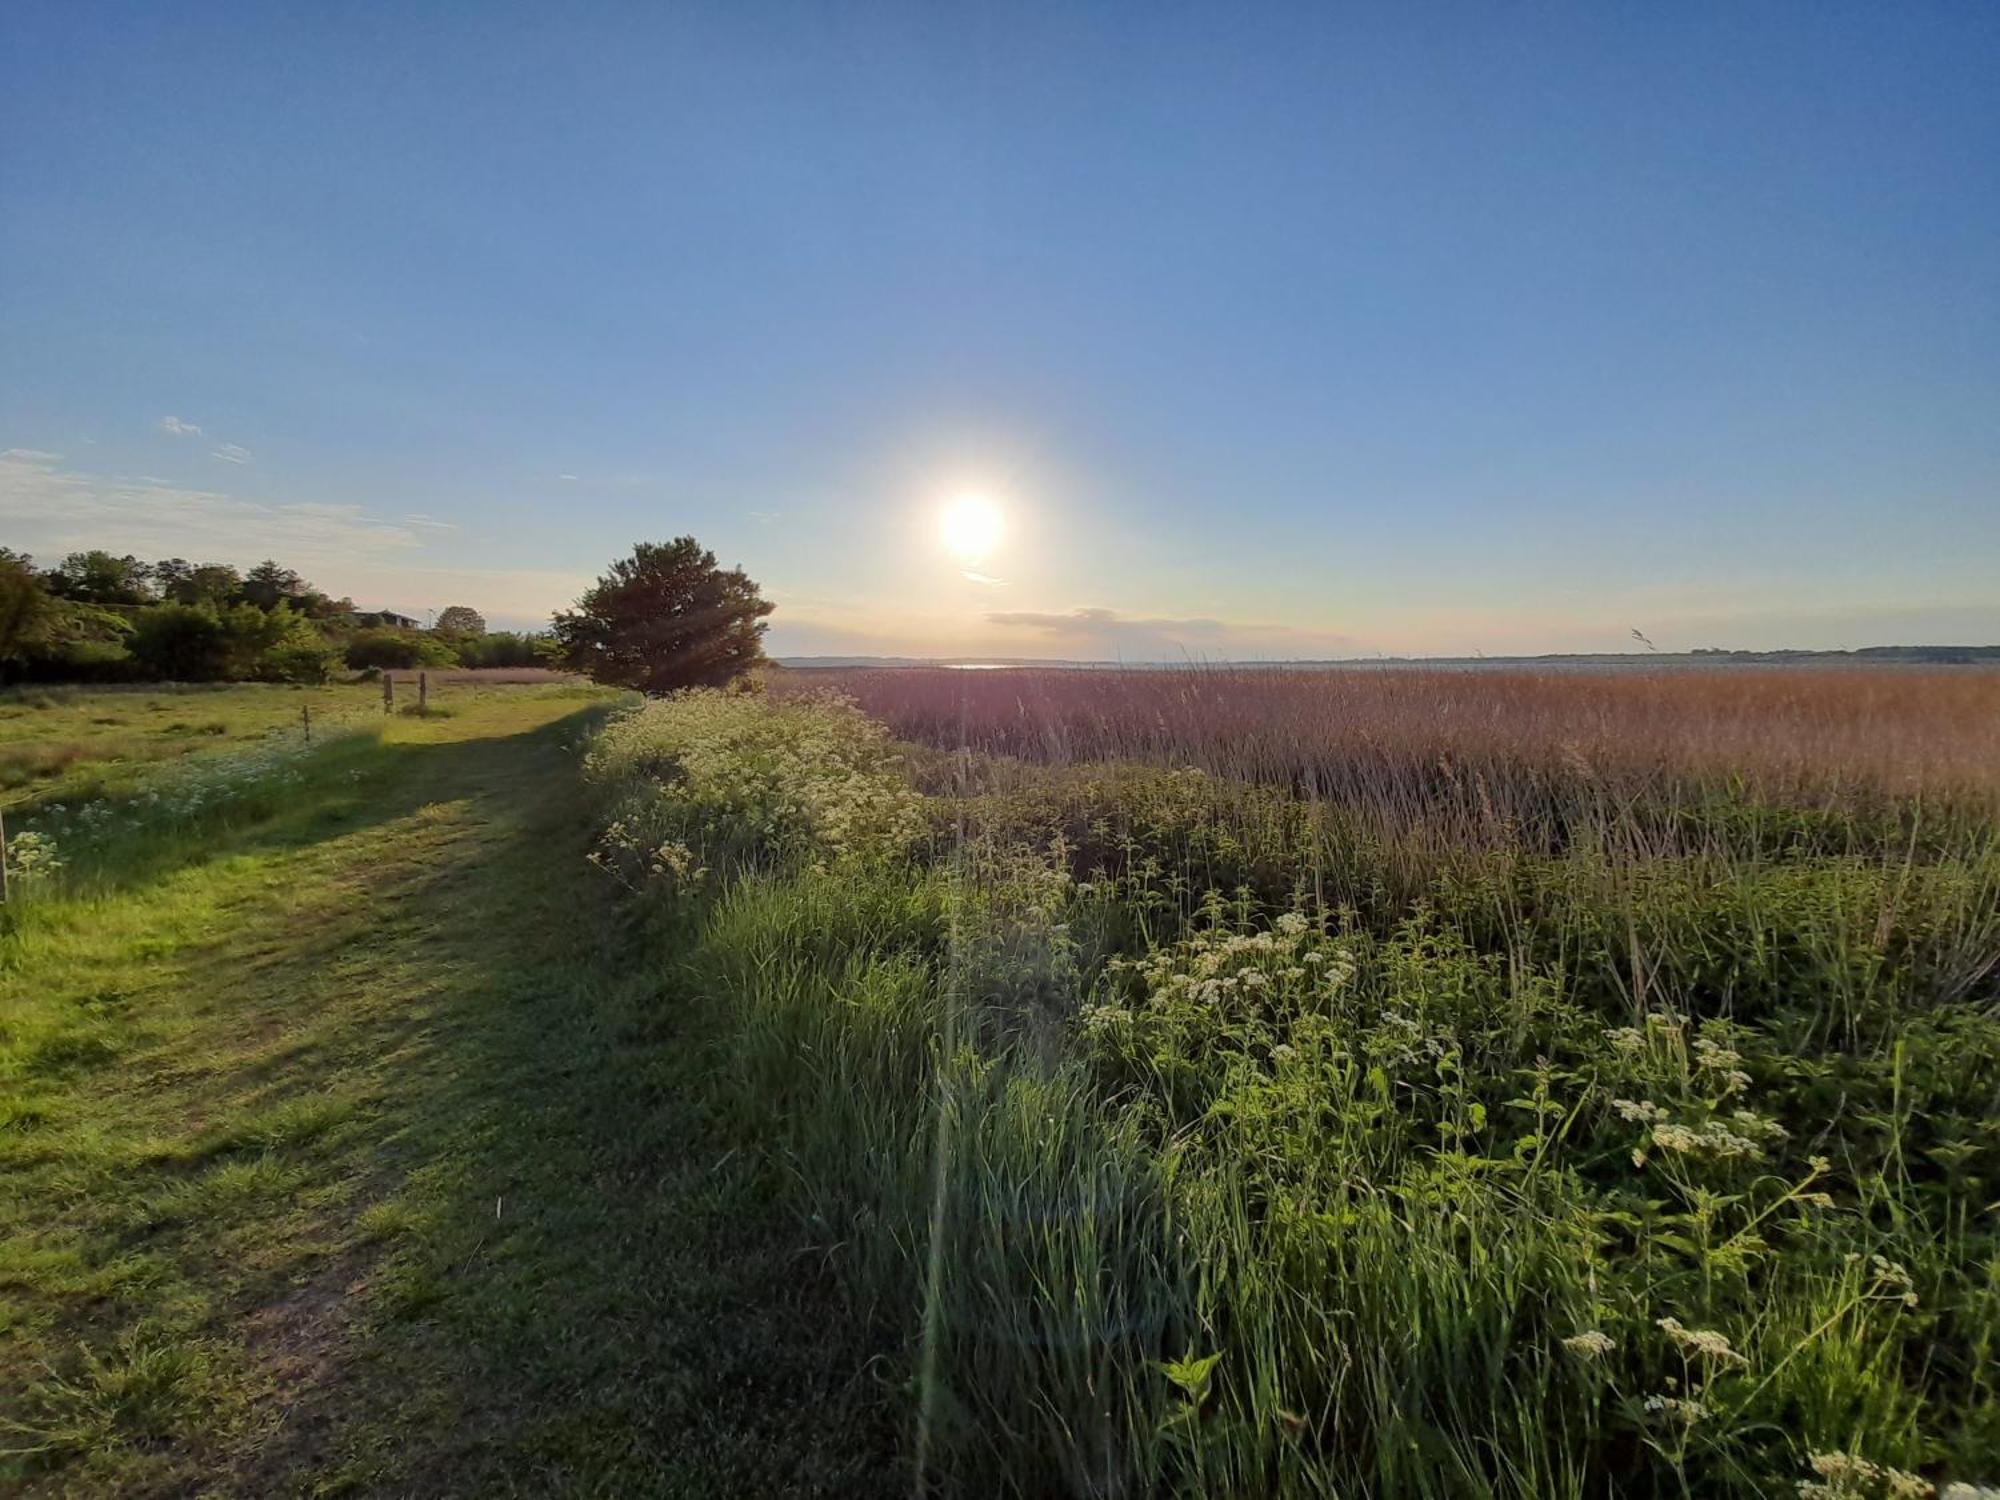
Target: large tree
[
  {"x": 101, "y": 578},
  {"x": 461, "y": 619},
  {"x": 179, "y": 581},
  {"x": 218, "y": 583},
  {"x": 665, "y": 618},
  {"x": 270, "y": 583}
]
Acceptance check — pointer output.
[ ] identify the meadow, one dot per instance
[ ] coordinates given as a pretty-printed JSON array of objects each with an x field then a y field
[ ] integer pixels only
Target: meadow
[
  {"x": 59, "y": 743},
  {"x": 1390, "y": 1084},
  {"x": 1114, "y": 1084}
]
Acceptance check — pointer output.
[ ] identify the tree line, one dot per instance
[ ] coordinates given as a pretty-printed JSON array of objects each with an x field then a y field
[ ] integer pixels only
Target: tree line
[
  {"x": 99, "y": 617},
  {"x": 665, "y": 618}
]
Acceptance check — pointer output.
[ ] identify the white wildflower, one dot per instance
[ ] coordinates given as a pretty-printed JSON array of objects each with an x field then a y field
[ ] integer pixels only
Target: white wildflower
[
  {"x": 1676, "y": 1409},
  {"x": 1591, "y": 1343},
  {"x": 1706, "y": 1342}
]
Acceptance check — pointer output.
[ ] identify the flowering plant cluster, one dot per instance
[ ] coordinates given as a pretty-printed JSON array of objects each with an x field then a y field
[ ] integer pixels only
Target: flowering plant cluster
[
  {"x": 177, "y": 796},
  {"x": 710, "y": 780}
]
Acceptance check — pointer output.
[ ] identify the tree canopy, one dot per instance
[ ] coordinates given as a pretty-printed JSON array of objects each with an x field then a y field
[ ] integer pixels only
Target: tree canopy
[
  {"x": 460, "y": 619},
  {"x": 98, "y": 616},
  {"x": 101, "y": 578},
  {"x": 667, "y": 617}
]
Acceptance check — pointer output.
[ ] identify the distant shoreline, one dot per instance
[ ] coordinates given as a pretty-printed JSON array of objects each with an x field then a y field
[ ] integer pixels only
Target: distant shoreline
[{"x": 1866, "y": 656}]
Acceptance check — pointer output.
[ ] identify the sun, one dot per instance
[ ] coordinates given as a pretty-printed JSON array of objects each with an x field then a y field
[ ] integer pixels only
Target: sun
[{"x": 970, "y": 528}]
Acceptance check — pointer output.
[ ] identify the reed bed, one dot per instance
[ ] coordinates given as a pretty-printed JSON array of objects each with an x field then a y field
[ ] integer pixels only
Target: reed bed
[{"x": 1897, "y": 729}]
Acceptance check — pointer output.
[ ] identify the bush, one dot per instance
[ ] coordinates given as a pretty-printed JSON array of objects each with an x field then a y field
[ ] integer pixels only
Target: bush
[
  {"x": 298, "y": 661},
  {"x": 79, "y": 661},
  {"x": 201, "y": 643},
  {"x": 502, "y": 648},
  {"x": 398, "y": 649},
  {"x": 180, "y": 643}
]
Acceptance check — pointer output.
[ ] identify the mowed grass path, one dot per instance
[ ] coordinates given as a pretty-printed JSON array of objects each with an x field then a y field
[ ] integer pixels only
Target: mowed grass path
[{"x": 362, "y": 1152}]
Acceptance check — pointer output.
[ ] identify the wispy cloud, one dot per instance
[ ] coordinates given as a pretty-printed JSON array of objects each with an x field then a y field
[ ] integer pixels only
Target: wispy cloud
[
  {"x": 54, "y": 508},
  {"x": 48, "y": 509},
  {"x": 1096, "y": 620},
  {"x": 567, "y": 478},
  {"x": 228, "y": 453}
]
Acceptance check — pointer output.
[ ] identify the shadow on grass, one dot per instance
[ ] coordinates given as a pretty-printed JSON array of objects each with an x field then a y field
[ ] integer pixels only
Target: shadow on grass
[
  {"x": 352, "y": 782},
  {"x": 444, "y": 1167}
]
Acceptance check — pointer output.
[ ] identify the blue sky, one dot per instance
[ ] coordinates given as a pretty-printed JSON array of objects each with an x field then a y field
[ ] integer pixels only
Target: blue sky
[{"x": 1272, "y": 331}]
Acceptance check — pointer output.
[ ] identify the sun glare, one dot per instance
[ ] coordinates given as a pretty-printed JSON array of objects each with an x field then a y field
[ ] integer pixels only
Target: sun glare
[{"x": 970, "y": 528}]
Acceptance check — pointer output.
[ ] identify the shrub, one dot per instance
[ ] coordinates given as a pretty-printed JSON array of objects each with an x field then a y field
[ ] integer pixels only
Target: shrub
[
  {"x": 399, "y": 650},
  {"x": 180, "y": 643},
  {"x": 204, "y": 643},
  {"x": 310, "y": 662},
  {"x": 85, "y": 661},
  {"x": 503, "y": 648}
]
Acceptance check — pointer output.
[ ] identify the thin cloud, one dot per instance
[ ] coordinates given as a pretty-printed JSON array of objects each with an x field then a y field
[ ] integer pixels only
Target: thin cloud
[
  {"x": 567, "y": 478},
  {"x": 231, "y": 453},
  {"x": 1094, "y": 619},
  {"x": 59, "y": 509},
  {"x": 48, "y": 509},
  {"x": 1096, "y": 631},
  {"x": 175, "y": 427}
]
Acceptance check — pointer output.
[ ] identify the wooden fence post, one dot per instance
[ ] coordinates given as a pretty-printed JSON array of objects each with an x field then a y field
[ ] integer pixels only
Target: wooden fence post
[
  {"x": 388, "y": 691},
  {"x": 423, "y": 691},
  {"x": 3, "y": 857},
  {"x": 306, "y": 718}
]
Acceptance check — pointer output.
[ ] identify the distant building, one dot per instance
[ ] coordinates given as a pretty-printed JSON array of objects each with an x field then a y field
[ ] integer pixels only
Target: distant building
[{"x": 387, "y": 619}]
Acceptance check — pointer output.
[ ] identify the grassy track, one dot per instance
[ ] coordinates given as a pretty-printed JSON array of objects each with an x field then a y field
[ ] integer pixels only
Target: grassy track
[{"x": 354, "y": 1156}]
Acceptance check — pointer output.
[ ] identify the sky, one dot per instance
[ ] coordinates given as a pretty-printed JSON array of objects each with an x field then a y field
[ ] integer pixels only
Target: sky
[{"x": 1267, "y": 331}]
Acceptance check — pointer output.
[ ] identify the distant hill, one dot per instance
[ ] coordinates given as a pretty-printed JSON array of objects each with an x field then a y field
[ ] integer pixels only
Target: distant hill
[{"x": 1571, "y": 661}]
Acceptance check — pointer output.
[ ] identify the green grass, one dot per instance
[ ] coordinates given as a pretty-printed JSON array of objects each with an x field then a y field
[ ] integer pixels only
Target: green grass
[
  {"x": 774, "y": 1109},
  {"x": 353, "y": 1145},
  {"x": 1177, "y": 1135},
  {"x": 60, "y": 743}
]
